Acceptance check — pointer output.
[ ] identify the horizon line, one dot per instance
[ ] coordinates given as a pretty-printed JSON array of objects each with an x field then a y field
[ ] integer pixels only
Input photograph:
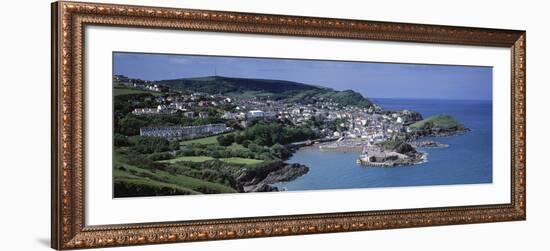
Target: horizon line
[{"x": 450, "y": 99}]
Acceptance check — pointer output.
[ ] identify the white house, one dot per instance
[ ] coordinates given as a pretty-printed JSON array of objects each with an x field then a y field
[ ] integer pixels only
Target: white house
[{"x": 255, "y": 114}]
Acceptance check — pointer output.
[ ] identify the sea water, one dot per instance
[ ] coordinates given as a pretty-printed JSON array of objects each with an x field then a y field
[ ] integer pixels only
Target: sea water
[{"x": 467, "y": 160}]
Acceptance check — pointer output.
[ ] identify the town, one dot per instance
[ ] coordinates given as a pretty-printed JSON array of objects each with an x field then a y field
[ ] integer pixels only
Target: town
[
  {"x": 370, "y": 124},
  {"x": 219, "y": 134},
  {"x": 354, "y": 128}
]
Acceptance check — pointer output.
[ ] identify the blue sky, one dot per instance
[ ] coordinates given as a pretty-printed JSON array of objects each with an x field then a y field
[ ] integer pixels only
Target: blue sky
[{"x": 374, "y": 80}]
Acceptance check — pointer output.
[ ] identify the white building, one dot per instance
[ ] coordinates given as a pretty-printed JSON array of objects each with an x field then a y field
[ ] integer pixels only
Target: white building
[
  {"x": 399, "y": 120},
  {"x": 145, "y": 111},
  {"x": 189, "y": 115},
  {"x": 255, "y": 114},
  {"x": 180, "y": 106},
  {"x": 161, "y": 109},
  {"x": 203, "y": 115}
]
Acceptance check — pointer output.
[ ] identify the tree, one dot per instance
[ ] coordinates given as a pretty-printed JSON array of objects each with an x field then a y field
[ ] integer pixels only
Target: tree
[
  {"x": 147, "y": 144},
  {"x": 174, "y": 145},
  {"x": 160, "y": 156},
  {"x": 246, "y": 143},
  {"x": 269, "y": 133},
  {"x": 120, "y": 140},
  {"x": 280, "y": 151},
  {"x": 264, "y": 133},
  {"x": 225, "y": 140},
  {"x": 239, "y": 138},
  {"x": 130, "y": 125},
  {"x": 234, "y": 124}
]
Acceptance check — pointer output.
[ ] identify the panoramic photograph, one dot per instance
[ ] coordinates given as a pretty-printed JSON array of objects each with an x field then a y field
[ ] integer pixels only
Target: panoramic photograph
[{"x": 192, "y": 124}]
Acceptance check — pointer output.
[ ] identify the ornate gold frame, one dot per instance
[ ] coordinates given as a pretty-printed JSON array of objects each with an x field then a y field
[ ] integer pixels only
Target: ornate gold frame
[{"x": 68, "y": 228}]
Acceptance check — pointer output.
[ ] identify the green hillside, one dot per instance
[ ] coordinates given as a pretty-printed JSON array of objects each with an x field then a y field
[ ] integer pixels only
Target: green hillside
[
  {"x": 445, "y": 122},
  {"x": 118, "y": 91},
  {"x": 157, "y": 179},
  {"x": 274, "y": 89}
]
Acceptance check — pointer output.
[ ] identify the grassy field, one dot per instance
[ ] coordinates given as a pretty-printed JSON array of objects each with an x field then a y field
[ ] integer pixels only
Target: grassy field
[
  {"x": 188, "y": 158},
  {"x": 127, "y": 90},
  {"x": 212, "y": 141},
  {"x": 238, "y": 161},
  {"x": 203, "y": 141},
  {"x": 242, "y": 161}
]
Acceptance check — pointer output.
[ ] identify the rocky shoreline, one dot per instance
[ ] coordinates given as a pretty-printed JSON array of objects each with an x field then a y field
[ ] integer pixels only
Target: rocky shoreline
[
  {"x": 428, "y": 144},
  {"x": 262, "y": 180},
  {"x": 437, "y": 133}
]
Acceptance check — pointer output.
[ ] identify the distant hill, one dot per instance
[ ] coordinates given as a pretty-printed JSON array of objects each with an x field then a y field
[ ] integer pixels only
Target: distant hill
[{"x": 275, "y": 89}]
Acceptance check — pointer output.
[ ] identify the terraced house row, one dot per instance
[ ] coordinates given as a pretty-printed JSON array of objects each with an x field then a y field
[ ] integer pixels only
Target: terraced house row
[{"x": 184, "y": 132}]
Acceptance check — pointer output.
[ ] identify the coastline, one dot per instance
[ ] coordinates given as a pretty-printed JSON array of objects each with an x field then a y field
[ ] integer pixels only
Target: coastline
[
  {"x": 419, "y": 156},
  {"x": 381, "y": 138},
  {"x": 287, "y": 171},
  {"x": 422, "y": 142}
]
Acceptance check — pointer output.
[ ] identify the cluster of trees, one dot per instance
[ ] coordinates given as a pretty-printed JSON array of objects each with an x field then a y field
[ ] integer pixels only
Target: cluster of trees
[
  {"x": 124, "y": 104},
  {"x": 253, "y": 151},
  {"x": 145, "y": 144},
  {"x": 265, "y": 133},
  {"x": 338, "y": 124}
]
